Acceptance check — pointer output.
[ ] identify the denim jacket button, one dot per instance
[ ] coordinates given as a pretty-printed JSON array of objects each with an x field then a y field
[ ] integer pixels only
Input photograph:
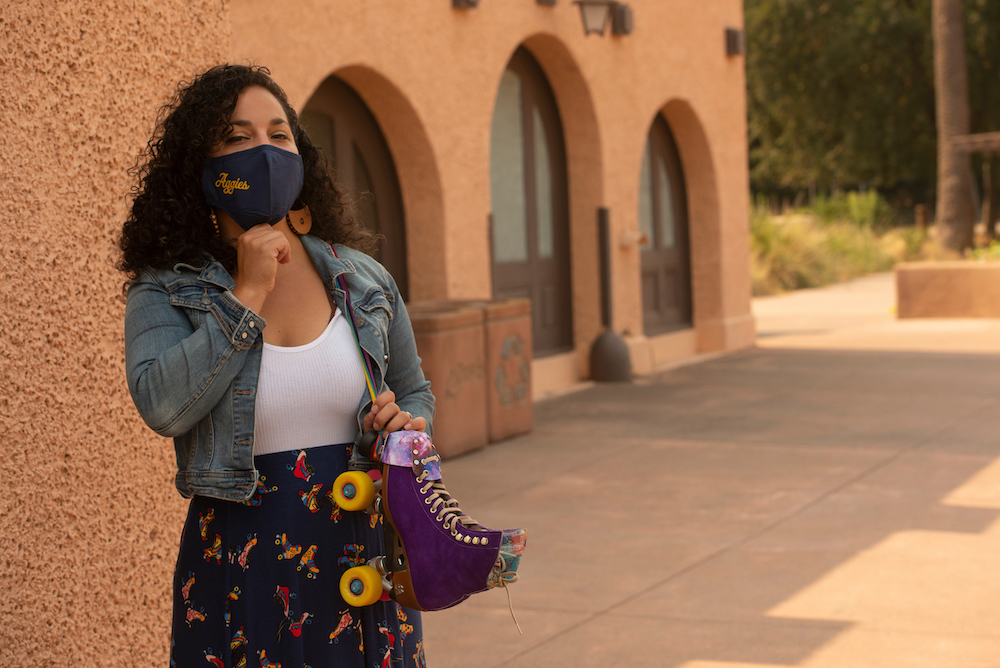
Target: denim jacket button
[
  {"x": 359, "y": 321},
  {"x": 251, "y": 324},
  {"x": 244, "y": 335},
  {"x": 386, "y": 357}
]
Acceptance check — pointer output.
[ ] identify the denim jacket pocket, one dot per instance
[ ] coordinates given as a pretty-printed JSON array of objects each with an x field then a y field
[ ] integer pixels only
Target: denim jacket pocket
[{"x": 377, "y": 309}]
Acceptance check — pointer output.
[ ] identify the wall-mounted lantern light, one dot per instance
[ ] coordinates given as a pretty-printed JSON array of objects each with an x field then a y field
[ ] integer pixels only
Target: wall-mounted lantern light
[
  {"x": 595, "y": 15},
  {"x": 736, "y": 42}
]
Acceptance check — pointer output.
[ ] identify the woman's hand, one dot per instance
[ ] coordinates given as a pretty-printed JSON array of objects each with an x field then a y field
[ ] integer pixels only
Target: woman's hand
[
  {"x": 259, "y": 250},
  {"x": 386, "y": 415}
]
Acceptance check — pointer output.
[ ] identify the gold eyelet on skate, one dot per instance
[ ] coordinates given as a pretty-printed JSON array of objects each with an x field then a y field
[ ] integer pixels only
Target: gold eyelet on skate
[
  {"x": 458, "y": 536},
  {"x": 427, "y": 500},
  {"x": 454, "y": 531},
  {"x": 468, "y": 539},
  {"x": 475, "y": 541}
]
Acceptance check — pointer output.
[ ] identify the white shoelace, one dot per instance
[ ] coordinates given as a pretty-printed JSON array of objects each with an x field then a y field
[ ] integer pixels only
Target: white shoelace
[
  {"x": 511, "y": 605},
  {"x": 444, "y": 505}
]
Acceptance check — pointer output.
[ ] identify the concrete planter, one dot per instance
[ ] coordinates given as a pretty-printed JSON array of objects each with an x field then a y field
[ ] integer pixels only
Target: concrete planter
[
  {"x": 509, "y": 407},
  {"x": 958, "y": 289},
  {"x": 451, "y": 342},
  {"x": 477, "y": 356}
]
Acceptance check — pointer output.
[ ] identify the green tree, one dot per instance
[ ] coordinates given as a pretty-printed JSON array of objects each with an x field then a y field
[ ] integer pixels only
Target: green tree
[
  {"x": 956, "y": 189},
  {"x": 841, "y": 94},
  {"x": 982, "y": 40}
]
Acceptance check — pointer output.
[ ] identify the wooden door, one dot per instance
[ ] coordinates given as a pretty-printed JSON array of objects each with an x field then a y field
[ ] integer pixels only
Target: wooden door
[
  {"x": 663, "y": 220},
  {"x": 339, "y": 122},
  {"x": 530, "y": 216}
]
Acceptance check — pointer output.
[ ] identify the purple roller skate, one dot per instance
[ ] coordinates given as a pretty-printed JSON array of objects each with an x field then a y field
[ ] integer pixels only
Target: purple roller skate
[{"x": 437, "y": 556}]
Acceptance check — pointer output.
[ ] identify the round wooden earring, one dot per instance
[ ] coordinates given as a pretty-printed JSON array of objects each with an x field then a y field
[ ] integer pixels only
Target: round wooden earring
[{"x": 299, "y": 220}]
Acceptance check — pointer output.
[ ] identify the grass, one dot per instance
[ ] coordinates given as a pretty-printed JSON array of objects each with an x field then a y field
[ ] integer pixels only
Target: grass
[
  {"x": 838, "y": 238},
  {"x": 867, "y": 209},
  {"x": 990, "y": 253}
]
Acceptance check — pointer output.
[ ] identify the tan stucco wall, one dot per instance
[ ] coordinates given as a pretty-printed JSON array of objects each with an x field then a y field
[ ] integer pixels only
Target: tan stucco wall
[
  {"x": 429, "y": 73},
  {"x": 89, "y": 520}
]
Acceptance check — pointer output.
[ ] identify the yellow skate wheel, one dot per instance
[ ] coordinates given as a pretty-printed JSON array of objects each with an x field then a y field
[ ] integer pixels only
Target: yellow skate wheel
[
  {"x": 361, "y": 586},
  {"x": 354, "y": 490}
]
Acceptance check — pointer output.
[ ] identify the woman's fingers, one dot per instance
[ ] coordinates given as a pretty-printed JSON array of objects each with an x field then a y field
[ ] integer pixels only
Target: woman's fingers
[
  {"x": 404, "y": 420},
  {"x": 398, "y": 421},
  {"x": 369, "y": 423},
  {"x": 385, "y": 405},
  {"x": 416, "y": 424},
  {"x": 385, "y": 415},
  {"x": 258, "y": 252},
  {"x": 264, "y": 242}
]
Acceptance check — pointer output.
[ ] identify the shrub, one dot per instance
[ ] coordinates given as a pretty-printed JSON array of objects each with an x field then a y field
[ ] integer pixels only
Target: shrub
[
  {"x": 867, "y": 209},
  {"x": 844, "y": 236},
  {"x": 990, "y": 253}
]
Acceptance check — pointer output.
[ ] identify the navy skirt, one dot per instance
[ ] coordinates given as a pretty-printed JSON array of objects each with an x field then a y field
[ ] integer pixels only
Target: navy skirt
[{"x": 258, "y": 583}]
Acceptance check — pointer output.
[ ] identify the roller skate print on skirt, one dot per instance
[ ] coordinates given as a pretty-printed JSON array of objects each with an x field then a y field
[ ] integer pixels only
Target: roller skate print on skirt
[{"x": 257, "y": 583}]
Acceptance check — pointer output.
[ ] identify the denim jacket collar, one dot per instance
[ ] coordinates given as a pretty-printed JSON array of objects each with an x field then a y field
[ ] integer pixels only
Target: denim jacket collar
[
  {"x": 209, "y": 271},
  {"x": 328, "y": 265}
]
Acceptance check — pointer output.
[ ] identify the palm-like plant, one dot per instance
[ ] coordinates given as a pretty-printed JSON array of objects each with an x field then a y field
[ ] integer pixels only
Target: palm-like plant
[{"x": 956, "y": 194}]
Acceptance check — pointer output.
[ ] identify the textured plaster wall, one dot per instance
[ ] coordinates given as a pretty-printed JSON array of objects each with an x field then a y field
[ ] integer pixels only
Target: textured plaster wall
[{"x": 89, "y": 519}]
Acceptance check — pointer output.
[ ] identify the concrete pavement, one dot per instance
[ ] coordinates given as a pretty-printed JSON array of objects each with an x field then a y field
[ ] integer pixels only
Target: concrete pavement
[{"x": 828, "y": 499}]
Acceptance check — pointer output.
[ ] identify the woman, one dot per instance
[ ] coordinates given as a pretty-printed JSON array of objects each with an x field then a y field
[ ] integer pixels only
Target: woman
[{"x": 238, "y": 347}]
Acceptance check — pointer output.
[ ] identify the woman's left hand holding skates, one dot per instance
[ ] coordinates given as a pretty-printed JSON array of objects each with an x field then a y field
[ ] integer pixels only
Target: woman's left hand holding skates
[
  {"x": 386, "y": 416},
  {"x": 437, "y": 555}
]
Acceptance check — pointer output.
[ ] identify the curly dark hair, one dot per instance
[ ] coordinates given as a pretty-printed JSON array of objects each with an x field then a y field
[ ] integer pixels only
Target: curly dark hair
[{"x": 170, "y": 218}]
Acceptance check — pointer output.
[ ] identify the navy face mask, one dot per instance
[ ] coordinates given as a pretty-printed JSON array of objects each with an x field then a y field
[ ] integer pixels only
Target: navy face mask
[{"x": 258, "y": 185}]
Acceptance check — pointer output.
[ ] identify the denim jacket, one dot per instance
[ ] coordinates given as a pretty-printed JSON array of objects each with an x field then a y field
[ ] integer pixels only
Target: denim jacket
[{"x": 193, "y": 351}]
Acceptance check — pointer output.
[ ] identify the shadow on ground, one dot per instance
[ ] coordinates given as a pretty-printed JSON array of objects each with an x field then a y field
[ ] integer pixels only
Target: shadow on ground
[{"x": 669, "y": 517}]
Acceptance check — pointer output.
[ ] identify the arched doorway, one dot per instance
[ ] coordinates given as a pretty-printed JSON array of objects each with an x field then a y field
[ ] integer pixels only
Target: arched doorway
[
  {"x": 530, "y": 217},
  {"x": 663, "y": 222},
  {"x": 339, "y": 122}
]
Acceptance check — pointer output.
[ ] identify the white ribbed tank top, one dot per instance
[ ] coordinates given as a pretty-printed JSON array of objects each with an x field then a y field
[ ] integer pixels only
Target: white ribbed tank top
[{"x": 308, "y": 395}]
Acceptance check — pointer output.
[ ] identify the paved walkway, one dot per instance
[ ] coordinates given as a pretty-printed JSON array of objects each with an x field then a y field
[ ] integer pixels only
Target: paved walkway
[{"x": 830, "y": 499}]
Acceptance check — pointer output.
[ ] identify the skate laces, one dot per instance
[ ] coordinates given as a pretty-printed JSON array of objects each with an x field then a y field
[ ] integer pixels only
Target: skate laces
[
  {"x": 510, "y": 604},
  {"x": 448, "y": 512},
  {"x": 444, "y": 505},
  {"x": 508, "y": 578}
]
